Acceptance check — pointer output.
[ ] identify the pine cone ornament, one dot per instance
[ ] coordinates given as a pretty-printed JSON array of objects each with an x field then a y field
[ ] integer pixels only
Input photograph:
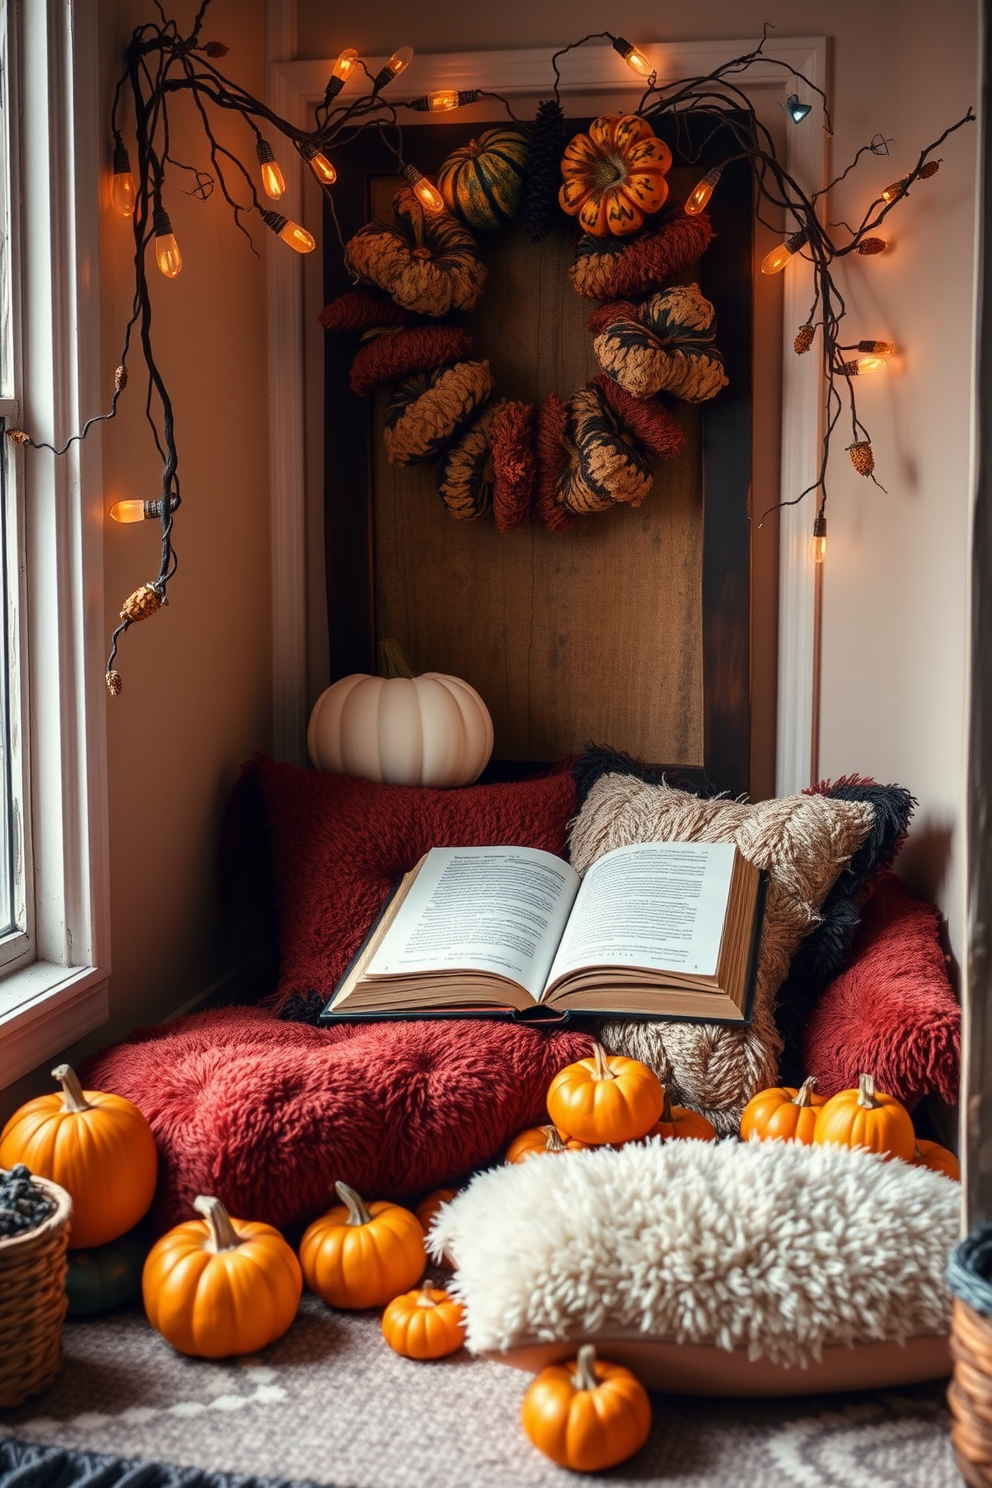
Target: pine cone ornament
[
  {"x": 114, "y": 683},
  {"x": 804, "y": 339},
  {"x": 868, "y": 246},
  {"x": 120, "y": 378},
  {"x": 17, "y": 436},
  {"x": 930, "y": 169},
  {"x": 215, "y": 49},
  {"x": 142, "y": 603},
  {"x": 861, "y": 457},
  {"x": 549, "y": 136}
]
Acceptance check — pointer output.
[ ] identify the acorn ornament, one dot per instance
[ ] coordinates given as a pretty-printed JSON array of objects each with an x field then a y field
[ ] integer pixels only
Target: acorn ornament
[
  {"x": 804, "y": 339},
  {"x": 114, "y": 682},
  {"x": 861, "y": 457},
  {"x": 142, "y": 603}
]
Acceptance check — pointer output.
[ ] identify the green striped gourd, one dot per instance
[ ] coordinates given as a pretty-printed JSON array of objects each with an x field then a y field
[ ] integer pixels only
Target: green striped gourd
[{"x": 482, "y": 181}]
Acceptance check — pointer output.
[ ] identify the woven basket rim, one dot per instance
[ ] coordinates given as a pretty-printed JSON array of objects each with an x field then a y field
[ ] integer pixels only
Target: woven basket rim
[{"x": 11, "y": 1245}]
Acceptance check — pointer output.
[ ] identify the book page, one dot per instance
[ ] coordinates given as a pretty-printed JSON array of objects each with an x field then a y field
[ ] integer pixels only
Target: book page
[
  {"x": 496, "y": 909},
  {"x": 656, "y": 905}
]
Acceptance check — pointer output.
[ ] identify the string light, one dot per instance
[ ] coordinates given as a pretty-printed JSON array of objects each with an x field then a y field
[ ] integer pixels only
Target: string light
[
  {"x": 897, "y": 189},
  {"x": 292, "y": 233},
  {"x": 340, "y": 73},
  {"x": 775, "y": 262},
  {"x": 445, "y": 99},
  {"x": 319, "y": 164},
  {"x": 703, "y": 190},
  {"x": 428, "y": 195},
  {"x": 167, "y": 254},
  {"x": 398, "y": 62},
  {"x": 122, "y": 186},
  {"x": 635, "y": 60},
  {"x": 818, "y": 545},
  {"x": 796, "y": 110},
  {"x": 273, "y": 179},
  {"x": 862, "y": 366},
  {"x": 877, "y": 348},
  {"x": 140, "y": 511}
]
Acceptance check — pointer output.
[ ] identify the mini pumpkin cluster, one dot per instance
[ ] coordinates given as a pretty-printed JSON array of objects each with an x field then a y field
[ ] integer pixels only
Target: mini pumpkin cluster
[{"x": 655, "y": 343}]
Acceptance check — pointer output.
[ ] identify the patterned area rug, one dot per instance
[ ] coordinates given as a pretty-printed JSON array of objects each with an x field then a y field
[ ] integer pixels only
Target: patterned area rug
[{"x": 330, "y": 1404}]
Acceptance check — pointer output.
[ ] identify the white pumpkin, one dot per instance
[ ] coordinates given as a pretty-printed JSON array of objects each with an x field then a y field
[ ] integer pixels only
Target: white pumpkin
[{"x": 426, "y": 730}]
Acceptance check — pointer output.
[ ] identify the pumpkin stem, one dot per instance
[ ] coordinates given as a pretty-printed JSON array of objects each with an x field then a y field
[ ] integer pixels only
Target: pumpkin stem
[
  {"x": 866, "y": 1093},
  {"x": 72, "y": 1091},
  {"x": 392, "y": 660},
  {"x": 357, "y": 1212},
  {"x": 602, "y": 1070},
  {"x": 426, "y": 1298},
  {"x": 917, "y": 1152},
  {"x": 552, "y": 1139},
  {"x": 223, "y": 1235},
  {"x": 584, "y": 1377},
  {"x": 804, "y": 1093},
  {"x": 666, "y": 1110}
]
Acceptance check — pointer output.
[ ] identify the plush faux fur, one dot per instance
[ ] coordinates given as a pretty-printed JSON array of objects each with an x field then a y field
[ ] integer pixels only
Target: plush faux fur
[
  {"x": 266, "y": 1115},
  {"x": 803, "y": 842},
  {"x": 770, "y": 1246},
  {"x": 892, "y": 1011}
]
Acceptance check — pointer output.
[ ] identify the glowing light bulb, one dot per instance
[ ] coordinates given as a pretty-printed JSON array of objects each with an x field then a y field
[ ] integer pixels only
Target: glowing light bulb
[
  {"x": 428, "y": 196},
  {"x": 340, "y": 73},
  {"x": 292, "y": 233},
  {"x": 635, "y": 59},
  {"x": 878, "y": 348},
  {"x": 703, "y": 190},
  {"x": 319, "y": 164},
  {"x": 897, "y": 189},
  {"x": 862, "y": 366},
  {"x": 443, "y": 100},
  {"x": 167, "y": 254},
  {"x": 272, "y": 177},
  {"x": 122, "y": 186},
  {"x": 775, "y": 262},
  {"x": 818, "y": 545},
  {"x": 140, "y": 511},
  {"x": 398, "y": 62}
]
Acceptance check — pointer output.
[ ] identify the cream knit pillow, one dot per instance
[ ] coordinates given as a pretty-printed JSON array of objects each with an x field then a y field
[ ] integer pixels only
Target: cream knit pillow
[{"x": 803, "y": 842}]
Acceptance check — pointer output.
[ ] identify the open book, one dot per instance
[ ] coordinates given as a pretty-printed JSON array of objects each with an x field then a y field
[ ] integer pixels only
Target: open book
[{"x": 660, "y": 929}]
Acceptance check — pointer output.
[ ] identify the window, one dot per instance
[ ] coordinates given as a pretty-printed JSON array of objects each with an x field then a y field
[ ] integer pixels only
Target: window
[{"x": 53, "y": 970}]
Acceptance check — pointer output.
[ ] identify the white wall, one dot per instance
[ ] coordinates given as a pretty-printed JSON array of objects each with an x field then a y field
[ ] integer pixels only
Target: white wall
[{"x": 894, "y": 634}]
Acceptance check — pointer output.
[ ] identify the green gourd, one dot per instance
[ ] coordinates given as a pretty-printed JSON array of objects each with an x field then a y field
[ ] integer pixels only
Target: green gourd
[
  {"x": 482, "y": 181},
  {"x": 107, "y": 1276}
]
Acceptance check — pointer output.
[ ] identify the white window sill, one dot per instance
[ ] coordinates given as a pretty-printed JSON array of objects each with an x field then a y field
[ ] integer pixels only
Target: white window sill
[{"x": 43, "y": 1009}]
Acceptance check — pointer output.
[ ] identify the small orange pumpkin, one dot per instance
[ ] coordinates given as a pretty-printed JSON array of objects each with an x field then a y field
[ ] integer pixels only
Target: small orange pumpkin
[
  {"x": 424, "y": 1324},
  {"x": 431, "y": 1203},
  {"x": 356, "y": 1256},
  {"x": 605, "y": 1099},
  {"x": 783, "y": 1112},
  {"x": 97, "y": 1146},
  {"x": 586, "y": 1414},
  {"x": 614, "y": 176},
  {"x": 220, "y": 1286},
  {"x": 937, "y": 1158},
  {"x": 681, "y": 1122},
  {"x": 866, "y": 1117},
  {"x": 537, "y": 1140}
]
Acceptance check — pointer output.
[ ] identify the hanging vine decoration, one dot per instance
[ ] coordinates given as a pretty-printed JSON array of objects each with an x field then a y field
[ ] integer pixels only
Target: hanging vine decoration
[{"x": 162, "y": 63}]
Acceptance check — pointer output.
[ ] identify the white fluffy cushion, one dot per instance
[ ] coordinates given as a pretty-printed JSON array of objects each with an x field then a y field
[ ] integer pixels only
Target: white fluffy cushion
[
  {"x": 803, "y": 842},
  {"x": 769, "y": 1246}
]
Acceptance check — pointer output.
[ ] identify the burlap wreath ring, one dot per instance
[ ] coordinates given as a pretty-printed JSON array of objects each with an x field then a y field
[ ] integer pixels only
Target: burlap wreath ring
[{"x": 562, "y": 459}]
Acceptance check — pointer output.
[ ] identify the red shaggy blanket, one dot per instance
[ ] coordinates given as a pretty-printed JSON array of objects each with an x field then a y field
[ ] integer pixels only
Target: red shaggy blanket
[{"x": 265, "y": 1115}]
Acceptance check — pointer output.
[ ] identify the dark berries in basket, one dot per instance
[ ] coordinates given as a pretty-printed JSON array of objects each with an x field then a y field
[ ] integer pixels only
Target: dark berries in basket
[{"x": 24, "y": 1205}]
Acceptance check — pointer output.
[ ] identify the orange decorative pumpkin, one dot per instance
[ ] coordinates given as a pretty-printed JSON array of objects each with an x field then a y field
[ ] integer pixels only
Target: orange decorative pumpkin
[
  {"x": 586, "y": 1414},
  {"x": 867, "y": 1118},
  {"x": 937, "y": 1158},
  {"x": 614, "y": 176},
  {"x": 221, "y": 1286},
  {"x": 681, "y": 1122},
  {"x": 424, "y": 1324},
  {"x": 605, "y": 1099},
  {"x": 431, "y": 1203},
  {"x": 537, "y": 1140},
  {"x": 97, "y": 1146},
  {"x": 356, "y": 1256},
  {"x": 783, "y": 1112}
]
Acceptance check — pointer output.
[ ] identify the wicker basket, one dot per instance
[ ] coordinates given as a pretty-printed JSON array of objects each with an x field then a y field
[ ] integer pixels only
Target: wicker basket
[
  {"x": 33, "y": 1302},
  {"x": 970, "y": 1392}
]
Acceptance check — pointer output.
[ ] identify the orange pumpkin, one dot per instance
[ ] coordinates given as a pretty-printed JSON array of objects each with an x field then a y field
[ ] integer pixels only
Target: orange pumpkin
[
  {"x": 937, "y": 1158},
  {"x": 681, "y": 1122},
  {"x": 783, "y": 1112},
  {"x": 537, "y": 1140},
  {"x": 586, "y": 1414},
  {"x": 356, "y": 1256},
  {"x": 866, "y": 1117},
  {"x": 220, "y": 1286},
  {"x": 97, "y": 1146},
  {"x": 605, "y": 1099},
  {"x": 614, "y": 176},
  {"x": 431, "y": 1203},
  {"x": 424, "y": 1324}
]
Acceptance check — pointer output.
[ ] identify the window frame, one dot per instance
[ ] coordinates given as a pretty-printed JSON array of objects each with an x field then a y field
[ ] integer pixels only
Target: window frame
[{"x": 58, "y": 988}]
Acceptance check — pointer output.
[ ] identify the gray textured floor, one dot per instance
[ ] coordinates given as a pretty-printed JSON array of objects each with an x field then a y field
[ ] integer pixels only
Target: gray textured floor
[{"x": 331, "y": 1402}]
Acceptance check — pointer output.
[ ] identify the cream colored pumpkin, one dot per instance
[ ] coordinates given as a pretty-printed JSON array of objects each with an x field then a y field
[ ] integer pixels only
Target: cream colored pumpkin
[{"x": 426, "y": 730}]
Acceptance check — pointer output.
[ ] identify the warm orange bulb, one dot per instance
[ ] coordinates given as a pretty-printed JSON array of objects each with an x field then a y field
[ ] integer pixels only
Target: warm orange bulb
[
  {"x": 428, "y": 196},
  {"x": 638, "y": 63},
  {"x": 818, "y": 544},
  {"x": 129, "y": 511},
  {"x": 345, "y": 65},
  {"x": 862, "y": 366},
  {"x": 298, "y": 238},
  {"x": 122, "y": 193},
  {"x": 443, "y": 100},
  {"x": 273, "y": 179},
  {"x": 167, "y": 254},
  {"x": 878, "y": 348},
  {"x": 400, "y": 60},
  {"x": 897, "y": 189},
  {"x": 701, "y": 193},
  {"x": 775, "y": 262},
  {"x": 323, "y": 169}
]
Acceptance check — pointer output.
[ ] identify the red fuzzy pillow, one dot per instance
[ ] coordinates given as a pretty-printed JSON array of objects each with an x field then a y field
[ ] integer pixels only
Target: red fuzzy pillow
[
  {"x": 265, "y": 1115},
  {"x": 339, "y": 844},
  {"x": 892, "y": 1012}
]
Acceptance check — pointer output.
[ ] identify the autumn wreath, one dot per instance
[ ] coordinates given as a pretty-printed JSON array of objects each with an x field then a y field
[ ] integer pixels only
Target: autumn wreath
[{"x": 419, "y": 274}]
